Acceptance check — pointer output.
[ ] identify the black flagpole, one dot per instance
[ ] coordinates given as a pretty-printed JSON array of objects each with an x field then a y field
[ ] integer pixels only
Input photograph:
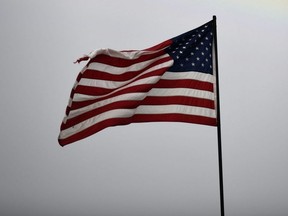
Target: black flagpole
[{"x": 218, "y": 121}]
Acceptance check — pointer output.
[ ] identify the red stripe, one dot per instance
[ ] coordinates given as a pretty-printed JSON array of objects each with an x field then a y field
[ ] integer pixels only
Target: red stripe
[
  {"x": 196, "y": 84},
  {"x": 185, "y": 83},
  {"x": 175, "y": 118},
  {"x": 95, "y": 74},
  {"x": 98, "y": 111},
  {"x": 160, "y": 46},
  {"x": 80, "y": 76},
  {"x": 141, "y": 88},
  {"x": 137, "y": 118},
  {"x": 133, "y": 89},
  {"x": 121, "y": 62},
  {"x": 179, "y": 100},
  {"x": 94, "y": 129},
  {"x": 98, "y": 91}
]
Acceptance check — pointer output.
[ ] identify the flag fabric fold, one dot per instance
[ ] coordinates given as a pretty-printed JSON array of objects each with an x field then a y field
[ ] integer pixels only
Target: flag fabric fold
[{"x": 173, "y": 81}]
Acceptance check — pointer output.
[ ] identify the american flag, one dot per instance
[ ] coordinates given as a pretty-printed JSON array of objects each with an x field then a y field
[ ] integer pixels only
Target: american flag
[{"x": 173, "y": 81}]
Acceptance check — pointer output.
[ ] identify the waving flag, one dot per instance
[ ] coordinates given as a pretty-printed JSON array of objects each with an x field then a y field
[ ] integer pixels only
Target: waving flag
[{"x": 172, "y": 81}]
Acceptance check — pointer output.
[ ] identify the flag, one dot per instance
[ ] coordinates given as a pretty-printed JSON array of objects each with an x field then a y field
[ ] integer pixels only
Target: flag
[{"x": 173, "y": 81}]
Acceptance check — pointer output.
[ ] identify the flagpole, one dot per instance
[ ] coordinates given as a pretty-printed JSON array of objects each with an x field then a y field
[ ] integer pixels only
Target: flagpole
[{"x": 218, "y": 122}]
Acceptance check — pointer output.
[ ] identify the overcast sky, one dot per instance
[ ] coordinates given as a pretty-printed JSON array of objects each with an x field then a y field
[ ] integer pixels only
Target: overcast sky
[{"x": 147, "y": 169}]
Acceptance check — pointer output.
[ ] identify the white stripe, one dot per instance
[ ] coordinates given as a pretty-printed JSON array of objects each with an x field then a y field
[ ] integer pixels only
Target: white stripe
[
  {"x": 120, "y": 70},
  {"x": 165, "y": 92},
  {"x": 123, "y": 97},
  {"x": 166, "y": 76},
  {"x": 126, "y": 113},
  {"x": 121, "y": 54},
  {"x": 204, "y": 77},
  {"x": 116, "y": 84},
  {"x": 148, "y": 80},
  {"x": 179, "y": 109},
  {"x": 152, "y": 80},
  {"x": 158, "y": 92}
]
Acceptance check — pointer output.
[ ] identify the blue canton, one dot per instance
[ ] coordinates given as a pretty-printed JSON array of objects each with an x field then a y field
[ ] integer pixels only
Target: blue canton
[{"x": 192, "y": 51}]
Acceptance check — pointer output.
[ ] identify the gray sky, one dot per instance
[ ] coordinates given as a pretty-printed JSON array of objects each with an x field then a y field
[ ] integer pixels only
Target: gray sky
[{"x": 143, "y": 169}]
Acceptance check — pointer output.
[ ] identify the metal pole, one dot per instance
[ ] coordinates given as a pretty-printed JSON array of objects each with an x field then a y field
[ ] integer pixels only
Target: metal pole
[{"x": 218, "y": 122}]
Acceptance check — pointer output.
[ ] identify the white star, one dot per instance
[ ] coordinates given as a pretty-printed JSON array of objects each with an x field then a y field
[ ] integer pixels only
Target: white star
[{"x": 198, "y": 58}]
